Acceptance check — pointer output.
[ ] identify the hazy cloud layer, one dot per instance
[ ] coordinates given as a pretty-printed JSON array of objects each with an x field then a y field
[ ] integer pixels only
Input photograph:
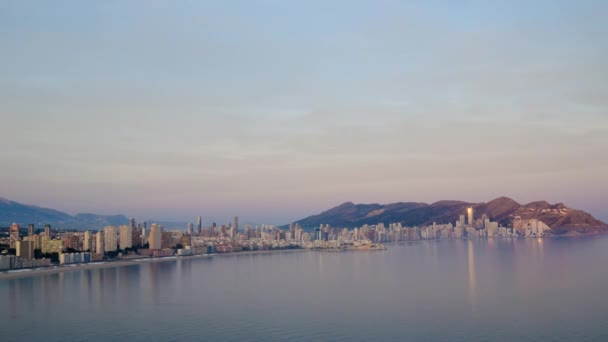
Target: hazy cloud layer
[{"x": 275, "y": 110}]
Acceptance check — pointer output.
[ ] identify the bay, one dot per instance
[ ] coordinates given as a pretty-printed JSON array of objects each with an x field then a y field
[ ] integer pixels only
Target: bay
[{"x": 458, "y": 290}]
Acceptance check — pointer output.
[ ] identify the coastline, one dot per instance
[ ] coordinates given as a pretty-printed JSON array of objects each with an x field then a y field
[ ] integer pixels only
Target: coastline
[
  {"x": 261, "y": 252},
  {"x": 33, "y": 272}
]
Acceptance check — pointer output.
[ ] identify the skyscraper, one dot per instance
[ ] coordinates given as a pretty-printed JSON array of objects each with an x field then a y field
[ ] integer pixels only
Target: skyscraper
[
  {"x": 470, "y": 215},
  {"x": 14, "y": 235},
  {"x": 86, "y": 243},
  {"x": 199, "y": 225},
  {"x": 25, "y": 249},
  {"x": 155, "y": 236},
  {"x": 144, "y": 238},
  {"x": 110, "y": 243},
  {"x": 125, "y": 236},
  {"x": 47, "y": 230},
  {"x": 236, "y": 224},
  {"x": 99, "y": 243},
  {"x": 132, "y": 222},
  {"x": 30, "y": 230},
  {"x": 190, "y": 228}
]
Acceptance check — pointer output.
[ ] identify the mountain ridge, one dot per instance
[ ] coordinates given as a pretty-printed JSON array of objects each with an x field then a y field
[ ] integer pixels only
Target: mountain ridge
[
  {"x": 24, "y": 214},
  {"x": 559, "y": 217}
]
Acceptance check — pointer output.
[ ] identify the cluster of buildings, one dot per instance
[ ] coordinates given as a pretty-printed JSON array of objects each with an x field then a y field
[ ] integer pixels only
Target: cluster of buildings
[{"x": 136, "y": 240}]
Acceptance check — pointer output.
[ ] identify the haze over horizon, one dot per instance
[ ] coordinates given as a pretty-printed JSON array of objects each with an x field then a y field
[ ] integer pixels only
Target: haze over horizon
[{"x": 274, "y": 111}]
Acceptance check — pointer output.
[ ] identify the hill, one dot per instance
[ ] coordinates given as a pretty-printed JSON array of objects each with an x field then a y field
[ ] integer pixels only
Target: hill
[
  {"x": 11, "y": 211},
  {"x": 561, "y": 219}
]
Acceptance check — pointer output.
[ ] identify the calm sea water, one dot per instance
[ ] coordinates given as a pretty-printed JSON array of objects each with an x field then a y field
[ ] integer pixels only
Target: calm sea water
[{"x": 495, "y": 290}]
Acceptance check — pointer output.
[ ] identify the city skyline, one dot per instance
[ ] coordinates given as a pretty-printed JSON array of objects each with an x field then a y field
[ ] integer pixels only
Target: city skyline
[{"x": 275, "y": 111}]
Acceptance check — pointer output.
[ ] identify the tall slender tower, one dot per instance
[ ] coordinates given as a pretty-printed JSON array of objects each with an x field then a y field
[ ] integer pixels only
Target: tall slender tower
[
  {"x": 189, "y": 230},
  {"x": 99, "y": 245},
  {"x": 470, "y": 214},
  {"x": 47, "y": 230},
  {"x": 199, "y": 225},
  {"x": 14, "y": 235},
  {"x": 236, "y": 224},
  {"x": 86, "y": 243},
  {"x": 30, "y": 230}
]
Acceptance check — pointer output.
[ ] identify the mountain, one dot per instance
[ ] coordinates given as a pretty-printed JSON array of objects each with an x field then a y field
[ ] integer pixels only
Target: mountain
[
  {"x": 561, "y": 219},
  {"x": 11, "y": 211}
]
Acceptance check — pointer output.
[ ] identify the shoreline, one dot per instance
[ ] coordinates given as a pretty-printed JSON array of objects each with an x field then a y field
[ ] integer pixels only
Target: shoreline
[
  {"x": 261, "y": 252},
  {"x": 34, "y": 272}
]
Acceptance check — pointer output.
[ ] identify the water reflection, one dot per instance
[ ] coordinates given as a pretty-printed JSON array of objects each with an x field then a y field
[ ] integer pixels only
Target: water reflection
[{"x": 472, "y": 277}]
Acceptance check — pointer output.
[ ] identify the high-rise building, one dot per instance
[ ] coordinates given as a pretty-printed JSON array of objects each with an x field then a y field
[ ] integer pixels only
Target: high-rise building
[
  {"x": 155, "y": 236},
  {"x": 144, "y": 238},
  {"x": 25, "y": 249},
  {"x": 52, "y": 246},
  {"x": 99, "y": 248},
  {"x": 132, "y": 222},
  {"x": 47, "y": 230},
  {"x": 136, "y": 237},
  {"x": 247, "y": 231},
  {"x": 166, "y": 240},
  {"x": 110, "y": 243},
  {"x": 125, "y": 236},
  {"x": 199, "y": 225},
  {"x": 86, "y": 242},
  {"x": 14, "y": 235},
  {"x": 30, "y": 230},
  {"x": 236, "y": 225},
  {"x": 190, "y": 228},
  {"x": 213, "y": 226},
  {"x": 470, "y": 216}
]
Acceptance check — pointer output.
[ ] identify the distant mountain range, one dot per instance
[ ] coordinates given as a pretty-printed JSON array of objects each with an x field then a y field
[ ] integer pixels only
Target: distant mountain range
[
  {"x": 561, "y": 219},
  {"x": 14, "y": 212}
]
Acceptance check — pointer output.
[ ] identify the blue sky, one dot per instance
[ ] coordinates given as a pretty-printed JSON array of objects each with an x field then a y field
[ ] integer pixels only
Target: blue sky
[{"x": 275, "y": 110}]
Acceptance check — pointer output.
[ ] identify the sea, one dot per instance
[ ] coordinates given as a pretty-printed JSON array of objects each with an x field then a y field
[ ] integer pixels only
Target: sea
[{"x": 551, "y": 289}]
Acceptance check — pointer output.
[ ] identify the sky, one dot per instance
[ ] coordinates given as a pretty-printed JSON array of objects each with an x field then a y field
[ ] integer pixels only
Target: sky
[{"x": 276, "y": 110}]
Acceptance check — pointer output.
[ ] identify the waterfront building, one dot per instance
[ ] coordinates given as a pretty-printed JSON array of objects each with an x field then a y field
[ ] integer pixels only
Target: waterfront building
[
  {"x": 86, "y": 242},
  {"x": 167, "y": 240},
  {"x": 199, "y": 225},
  {"x": 125, "y": 238},
  {"x": 73, "y": 241},
  {"x": 470, "y": 215},
  {"x": 52, "y": 246},
  {"x": 190, "y": 229},
  {"x": 74, "y": 258},
  {"x": 155, "y": 236},
  {"x": 5, "y": 262},
  {"x": 25, "y": 249},
  {"x": 144, "y": 238},
  {"x": 110, "y": 241},
  {"x": 236, "y": 225},
  {"x": 136, "y": 237},
  {"x": 14, "y": 235},
  {"x": 99, "y": 246},
  {"x": 186, "y": 240}
]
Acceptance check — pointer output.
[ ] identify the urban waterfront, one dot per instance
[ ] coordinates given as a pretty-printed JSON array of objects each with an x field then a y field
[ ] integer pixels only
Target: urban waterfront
[{"x": 458, "y": 290}]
